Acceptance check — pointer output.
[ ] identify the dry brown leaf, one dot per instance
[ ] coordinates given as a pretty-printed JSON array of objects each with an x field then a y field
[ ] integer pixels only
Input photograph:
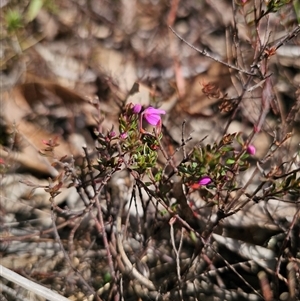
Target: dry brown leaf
[
  {"x": 17, "y": 105},
  {"x": 116, "y": 65},
  {"x": 196, "y": 100}
]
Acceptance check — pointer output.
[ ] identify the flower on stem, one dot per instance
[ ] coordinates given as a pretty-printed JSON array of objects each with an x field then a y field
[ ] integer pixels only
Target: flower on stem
[
  {"x": 251, "y": 150},
  {"x": 111, "y": 134},
  {"x": 152, "y": 115},
  {"x": 124, "y": 135},
  {"x": 204, "y": 181},
  {"x": 137, "y": 108}
]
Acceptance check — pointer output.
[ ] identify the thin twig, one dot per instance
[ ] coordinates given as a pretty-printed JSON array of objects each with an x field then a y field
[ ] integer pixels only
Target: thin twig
[
  {"x": 231, "y": 267},
  {"x": 205, "y": 53},
  {"x": 95, "y": 200},
  {"x": 288, "y": 37},
  {"x": 57, "y": 237},
  {"x": 284, "y": 244},
  {"x": 131, "y": 269},
  {"x": 30, "y": 285},
  {"x": 177, "y": 253}
]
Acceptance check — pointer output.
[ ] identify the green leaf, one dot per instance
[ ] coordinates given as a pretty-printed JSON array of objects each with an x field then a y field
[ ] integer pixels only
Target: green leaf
[
  {"x": 289, "y": 181},
  {"x": 227, "y": 148},
  {"x": 245, "y": 156},
  {"x": 163, "y": 212},
  {"x": 107, "y": 277},
  {"x": 157, "y": 176},
  {"x": 297, "y": 9},
  {"x": 14, "y": 20},
  {"x": 193, "y": 236},
  {"x": 230, "y": 161},
  {"x": 182, "y": 168},
  {"x": 239, "y": 139},
  {"x": 33, "y": 9},
  {"x": 275, "y": 5}
]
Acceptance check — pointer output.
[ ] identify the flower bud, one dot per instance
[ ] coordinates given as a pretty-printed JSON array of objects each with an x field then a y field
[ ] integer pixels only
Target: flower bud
[
  {"x": 251, "y": 150},
  {"x": 204, "y": 181},
  {"x": 112, "y": 134},
  {"x": 124, "y": 135},
  {"x": 137, "y": 108}
]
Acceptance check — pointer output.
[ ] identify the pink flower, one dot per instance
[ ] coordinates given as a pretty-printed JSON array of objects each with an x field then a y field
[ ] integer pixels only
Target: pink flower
[
  {"x": 204, "y": 180},
  {"x": 152, "y": 115},
  {"x": 112, "y": 134},
  {"x": 124, "y": 135},
  {"x": 251, "y": 150},
  {"x": 137, "y": 108}
]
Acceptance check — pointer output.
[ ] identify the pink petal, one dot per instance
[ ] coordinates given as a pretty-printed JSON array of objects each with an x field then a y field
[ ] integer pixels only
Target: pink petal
[
  {"x": 152, "y": 115},
  {"x": 124, "y": 135},
  {"x": 152, "y": 119},
  {"x": 251, "y": 150},
  {"x": 204, "y": 181},
  {"x": 152, "y": 110},
  {"x": 137, "y": 108}
]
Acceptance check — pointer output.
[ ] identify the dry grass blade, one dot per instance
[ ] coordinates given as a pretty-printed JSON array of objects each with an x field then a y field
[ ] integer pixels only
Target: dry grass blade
[
  {"x": 262, "y": 256},
  {"x": 30, "y": 285}
]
